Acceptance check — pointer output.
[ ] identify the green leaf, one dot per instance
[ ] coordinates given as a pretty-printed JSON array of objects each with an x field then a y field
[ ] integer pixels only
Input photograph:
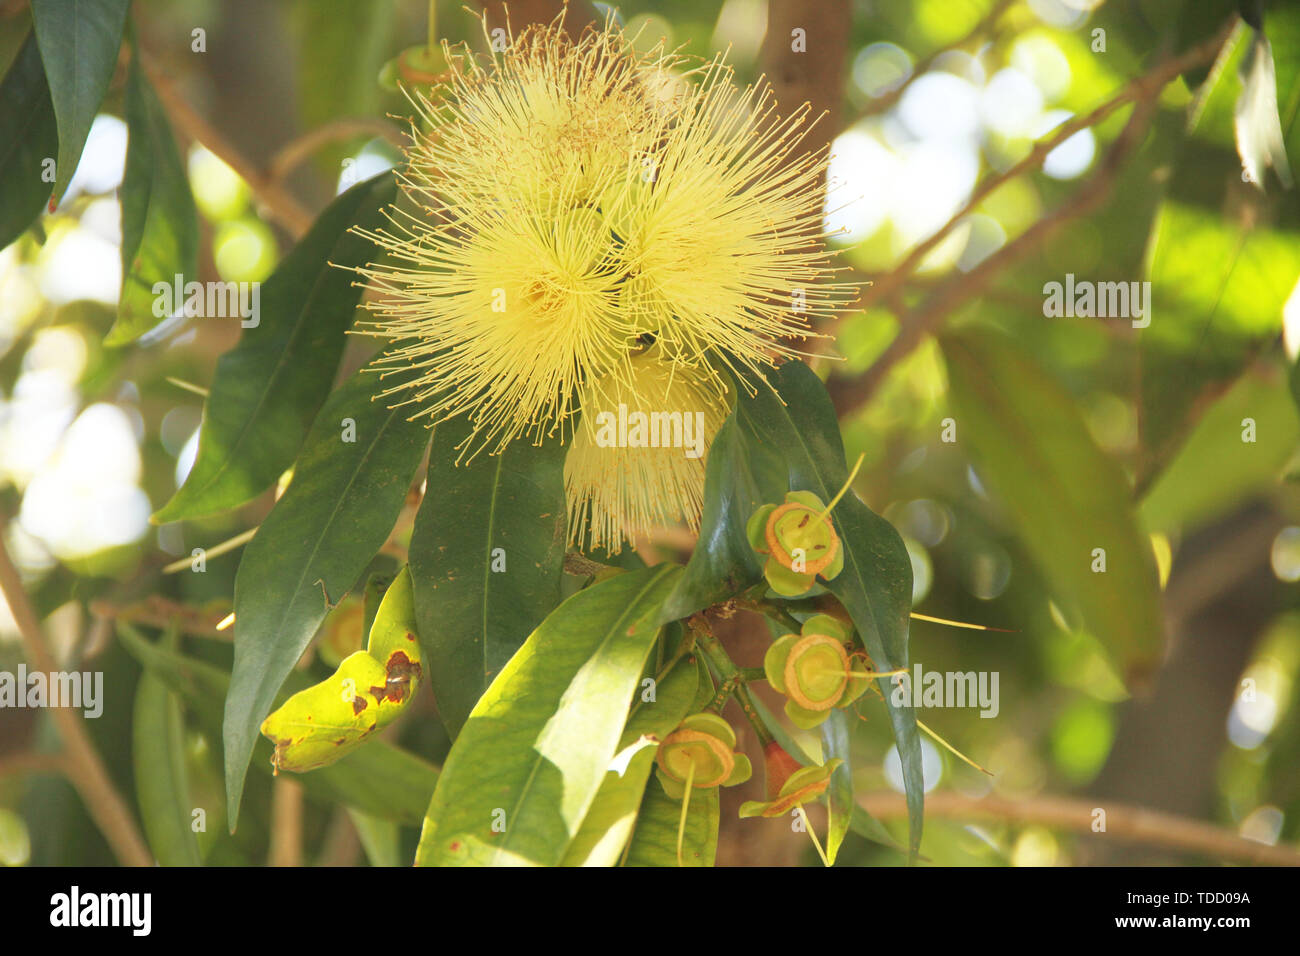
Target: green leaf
[
  {"x": 1222, "y": 260},
  {"x": 160, "y": 229},
  {"x": 341, "y": 45},
  {"x": 380, "y": 779},
  {"x": 1215, "y": 471},
  {"x": 268, "y": 388},
  {"x": 654, "y": 842},
  {"x": 486, "y": 555},
  {"x": 529, "y": 761},
  {"x": 741, "y": 476},
  {"x": 1282, "y": 26},
  {"x": 368, "y": 691},
  {"x": 160, "y": 780},
  {"x": 311, "y": 549},
  {"x": 875, "y": 587},
  {"x": 608, "y": 825},
  {"x": 1196, "y": 21},
  {"x": 839, "y": 794},
  {"x": 79, "y": 40},
  {"x": 28, "y": 137},
  {"x": 381, "y": 839},
  {"x": 1065, "y": 496}
]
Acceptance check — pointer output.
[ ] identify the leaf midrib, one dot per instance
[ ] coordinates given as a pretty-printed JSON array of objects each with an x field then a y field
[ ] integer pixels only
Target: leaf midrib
[
  {"x": 302, "y": 576},
  {"x": 295, "y": 334}
]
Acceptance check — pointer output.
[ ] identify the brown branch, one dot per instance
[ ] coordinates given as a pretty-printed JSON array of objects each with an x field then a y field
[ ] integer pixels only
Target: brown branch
[
  {"x": 1123, "y": 822},
  {"x": 297, "y": 151},
  {"x": 886, "y": 100},
  {"x": 84, "y": 767},
  {"x": 160, "y": 612},
  {"x": 277, "y": 201},
  {"x": 1144, "y": 87},
  {"x": 850, "y": 394}
]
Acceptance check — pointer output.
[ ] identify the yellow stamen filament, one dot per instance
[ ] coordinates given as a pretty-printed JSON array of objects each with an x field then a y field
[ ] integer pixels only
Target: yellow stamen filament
[
  {"x": 807, "y": 825},
  {"x": 954, "y": 750},
  {"x": 686, "y": 802},
  {"x": 228, "y": 545},
  {"x": 973, "y": 627},
  {"x": 848, "y": 483}
]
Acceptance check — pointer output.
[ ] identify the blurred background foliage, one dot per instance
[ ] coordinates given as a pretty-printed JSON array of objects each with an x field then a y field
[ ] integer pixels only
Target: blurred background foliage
[{"x": 937, "y": 97}]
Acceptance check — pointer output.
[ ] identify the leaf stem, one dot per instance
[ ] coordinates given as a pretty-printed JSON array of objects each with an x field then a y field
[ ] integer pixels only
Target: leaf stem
[
  {"x": 771, "y": 611},
  {"x": 733, "y": 679}
]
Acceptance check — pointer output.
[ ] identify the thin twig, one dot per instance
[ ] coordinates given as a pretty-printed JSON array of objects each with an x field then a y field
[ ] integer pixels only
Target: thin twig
[
  {"x": 160, "y": 612},
  {"x": 279, "y": 203},
  {"x": 33, "y": 763},
  {"x": 85, "y": 768},
  {"x": 850, "y": 394},
  {"x": 1123, "y": 822},
  {"x": 1145, "y": 87},
  {"x": 297, "y": 151},
  {"x": 882, "y": 103}
]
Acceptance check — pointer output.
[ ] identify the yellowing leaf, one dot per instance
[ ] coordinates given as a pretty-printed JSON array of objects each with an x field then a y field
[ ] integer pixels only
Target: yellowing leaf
[{"x": 329, "y": 720}]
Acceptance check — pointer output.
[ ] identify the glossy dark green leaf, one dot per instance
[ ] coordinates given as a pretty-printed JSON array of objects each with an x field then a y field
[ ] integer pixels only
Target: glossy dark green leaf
[
  {"x": 161, "y": 788},
  {"x": 311, "y": 549},
  {"x": 379, "y": 779},
  {"x": 486, "y": 555},
  {"x": 533, "y": 754},
  {"x": 160, "y": 229},
  {"x": 28, "y": 137},
  {"x": 741, "y": 476},
  {"x": 654, "y": 841},
  {"x": 798, "y": 423},
  {"x": 79, "y": 41},
  {"x": 1065, "y": 496},
  {"x": 268, "y": 388},
  {"x": 609, "y": 823}
]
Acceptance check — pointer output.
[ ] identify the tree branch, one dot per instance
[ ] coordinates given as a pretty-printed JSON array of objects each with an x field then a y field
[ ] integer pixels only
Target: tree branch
[
  {"x": 814, "y": 75},
  {"x": 297, "y": 151},
  {"x": 84, "y": 767},
  {"x": 850, "y": 394},
  {"x": 1123, "y": 822},
  {"x": 278, "y": 202}
]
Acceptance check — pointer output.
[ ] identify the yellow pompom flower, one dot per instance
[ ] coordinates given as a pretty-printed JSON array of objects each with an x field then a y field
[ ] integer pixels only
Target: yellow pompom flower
[
  {"x": 587, "y": 223},
  {"x": 637, "y": 460}
]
